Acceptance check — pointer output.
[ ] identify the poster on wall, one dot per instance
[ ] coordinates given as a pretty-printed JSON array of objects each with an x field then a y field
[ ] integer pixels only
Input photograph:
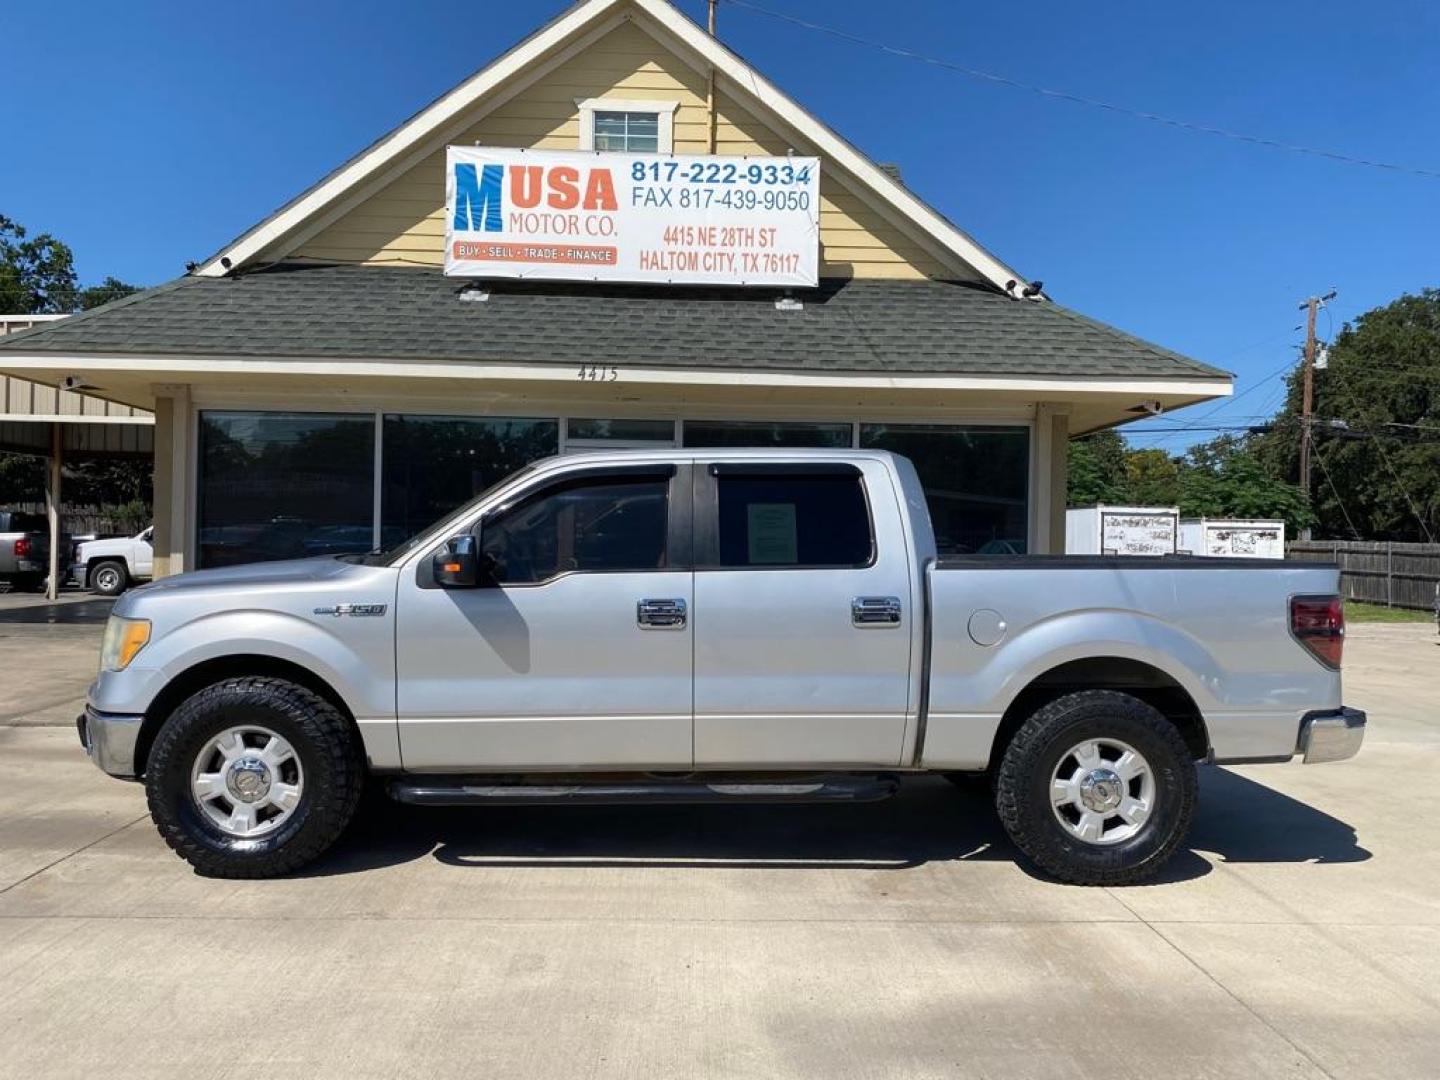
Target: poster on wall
[{"x": 659, "y": 218}]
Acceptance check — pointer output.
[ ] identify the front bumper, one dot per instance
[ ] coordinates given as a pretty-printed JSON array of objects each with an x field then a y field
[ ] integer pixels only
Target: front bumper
[
  {"x": 1332, "y": 735},
  {"x": 109, "y": 739}
]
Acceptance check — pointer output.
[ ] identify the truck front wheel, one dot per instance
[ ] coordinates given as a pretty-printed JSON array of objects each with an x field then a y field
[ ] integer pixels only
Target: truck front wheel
[
  {"x": 1098, "y": 788},
  {"x": 109, "y": 578},
  {"x": 253, "y": 777}
]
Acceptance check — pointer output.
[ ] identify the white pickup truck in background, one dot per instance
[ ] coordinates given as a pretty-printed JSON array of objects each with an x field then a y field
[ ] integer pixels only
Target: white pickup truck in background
[
  {"x": 109, "y": 567},
  {"x": 711, "y": 625}
]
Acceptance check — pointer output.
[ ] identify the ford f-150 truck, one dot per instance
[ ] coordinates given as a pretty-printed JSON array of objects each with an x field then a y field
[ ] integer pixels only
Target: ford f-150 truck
[{"x": 693, "y": 625}]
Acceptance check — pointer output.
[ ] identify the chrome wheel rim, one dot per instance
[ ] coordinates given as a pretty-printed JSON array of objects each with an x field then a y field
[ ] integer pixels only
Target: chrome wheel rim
[
  {"x": 247, "y": 781},
  {"x": 107, "y": 578},
  {"x": 1102, "y": 791}
]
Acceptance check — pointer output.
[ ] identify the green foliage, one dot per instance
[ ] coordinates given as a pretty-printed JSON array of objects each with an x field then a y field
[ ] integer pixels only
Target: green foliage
[
  {"x": 112, "y": 288},
  {"x": 1223, "y": 478},
  {"x": 1382, "y": 467},
  {"x": 1375, "y": 472},
  {"x": 37, "y": 276},
  {"x": 1152, "y": 478},
  {"x": 1096, "y": 470},
  {"x": 22, "y": 478}
]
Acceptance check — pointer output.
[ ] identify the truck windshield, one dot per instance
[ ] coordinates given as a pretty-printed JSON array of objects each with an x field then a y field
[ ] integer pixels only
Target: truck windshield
[{"x": 384, "y": 558}]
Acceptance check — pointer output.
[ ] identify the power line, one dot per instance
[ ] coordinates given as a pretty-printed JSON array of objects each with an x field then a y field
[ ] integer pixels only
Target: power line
[
  {"x": 1320, "y": 460},
  {"x": 1192, "y": 424},
  {"x": 1079, "y": 99},
  {"x": 1403, "y": 490}
]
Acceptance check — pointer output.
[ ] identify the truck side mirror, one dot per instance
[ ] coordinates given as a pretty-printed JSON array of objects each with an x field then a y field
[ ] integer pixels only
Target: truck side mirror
[{"x": 457, "y": 564}]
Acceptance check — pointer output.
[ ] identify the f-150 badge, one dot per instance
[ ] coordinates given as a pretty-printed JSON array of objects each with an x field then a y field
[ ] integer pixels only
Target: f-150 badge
[{"x": 352, "y": 609}]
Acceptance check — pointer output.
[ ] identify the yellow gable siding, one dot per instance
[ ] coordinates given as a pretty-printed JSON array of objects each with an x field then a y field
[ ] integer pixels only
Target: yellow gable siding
[{"x": 405, "y": 221}]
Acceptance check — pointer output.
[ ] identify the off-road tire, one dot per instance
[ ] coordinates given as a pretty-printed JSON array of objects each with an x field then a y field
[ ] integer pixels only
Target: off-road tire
[
  {"x": 1022, "y": 788},
  {"x": 101, "y": 583},
  {"x": 322, "y": 737}
]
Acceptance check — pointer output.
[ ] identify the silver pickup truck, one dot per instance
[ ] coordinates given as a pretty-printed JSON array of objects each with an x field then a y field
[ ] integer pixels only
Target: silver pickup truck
[
  {"x": 25, "y": 550},
  {"x": 687, "y": 626}
]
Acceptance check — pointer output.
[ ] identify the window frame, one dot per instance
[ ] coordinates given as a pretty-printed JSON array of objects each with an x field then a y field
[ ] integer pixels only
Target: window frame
[
  {"x": 706, "y": 520},
  {"x": 664, "y": 112}
]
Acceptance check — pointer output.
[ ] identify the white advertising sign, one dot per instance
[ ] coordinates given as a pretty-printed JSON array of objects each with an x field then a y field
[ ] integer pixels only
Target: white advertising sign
[
  {"x": 572, "y": 216},
  {"x": 1137, "y": 534}
]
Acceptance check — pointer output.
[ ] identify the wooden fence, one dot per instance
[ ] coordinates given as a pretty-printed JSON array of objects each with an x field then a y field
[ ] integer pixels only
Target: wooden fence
[
  {"x": 84, "y": 520},
  {"x": 1378, "y": 572}
]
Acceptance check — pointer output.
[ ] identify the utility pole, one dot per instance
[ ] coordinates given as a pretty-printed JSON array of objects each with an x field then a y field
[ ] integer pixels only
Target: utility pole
[
  {"x": 710, "y": 91},
  {"x": 1307, "y": 397}
]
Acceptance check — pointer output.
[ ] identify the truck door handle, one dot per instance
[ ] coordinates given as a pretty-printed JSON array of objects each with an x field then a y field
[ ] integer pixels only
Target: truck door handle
[
  {"x": 660, "y": 614},
  {"x": 875, "y": 612}
]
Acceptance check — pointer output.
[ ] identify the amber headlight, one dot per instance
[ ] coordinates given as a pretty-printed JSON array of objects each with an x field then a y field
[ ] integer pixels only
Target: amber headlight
[{"x": 123, "y": 639}]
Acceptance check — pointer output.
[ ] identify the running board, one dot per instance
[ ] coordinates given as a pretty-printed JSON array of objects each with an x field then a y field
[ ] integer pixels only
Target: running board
[{"x": 842, "y": 788}]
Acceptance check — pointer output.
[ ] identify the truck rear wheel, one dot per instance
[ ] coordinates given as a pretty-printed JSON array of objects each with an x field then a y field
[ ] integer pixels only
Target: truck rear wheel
[
  {"x": 253, "y": 778},
  {"x": 1097, "y": 788}
]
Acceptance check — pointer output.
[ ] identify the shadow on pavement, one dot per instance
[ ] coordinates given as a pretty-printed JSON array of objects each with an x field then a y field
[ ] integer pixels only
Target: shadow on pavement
[
  {"x": 72, "y": 613},
  {"x": 930, "y": 820}
]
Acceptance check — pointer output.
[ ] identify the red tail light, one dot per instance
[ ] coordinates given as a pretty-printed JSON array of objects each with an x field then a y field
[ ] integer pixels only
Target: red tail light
[
  {"x": 22, "y": 548},
  {"x": 1318, "y": 623}
]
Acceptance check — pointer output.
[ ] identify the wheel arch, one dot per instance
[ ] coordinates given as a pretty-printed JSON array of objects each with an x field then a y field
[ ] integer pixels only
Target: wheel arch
[
  {"x": 208, "y": 672},
  {"x": 1124, "y": 674}
]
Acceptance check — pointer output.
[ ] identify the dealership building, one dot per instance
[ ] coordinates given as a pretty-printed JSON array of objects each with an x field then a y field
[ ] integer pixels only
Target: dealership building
[{"x": 549, "y": 259}]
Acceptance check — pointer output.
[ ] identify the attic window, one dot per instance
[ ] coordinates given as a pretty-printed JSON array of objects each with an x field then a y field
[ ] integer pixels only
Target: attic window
[{"x": 627, "y": 126}]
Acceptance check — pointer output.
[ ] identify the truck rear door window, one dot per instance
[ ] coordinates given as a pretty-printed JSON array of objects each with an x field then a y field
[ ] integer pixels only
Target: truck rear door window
[{"x": 793, "y": 521}]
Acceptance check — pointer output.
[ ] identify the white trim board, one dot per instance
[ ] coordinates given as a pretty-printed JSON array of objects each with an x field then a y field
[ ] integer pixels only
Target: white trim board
[
  {"x": 738, "y": 77},
  {"x": 75, "y": 418},
  {"x": 1059, "y": 386}
]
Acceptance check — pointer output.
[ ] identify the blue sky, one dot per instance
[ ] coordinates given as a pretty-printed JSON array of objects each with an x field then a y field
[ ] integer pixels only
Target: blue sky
[{"x": 149, "y": 133}]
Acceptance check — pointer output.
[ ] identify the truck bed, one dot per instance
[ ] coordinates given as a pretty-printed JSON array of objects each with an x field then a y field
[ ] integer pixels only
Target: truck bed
[{"x": 1222, "y": 638}]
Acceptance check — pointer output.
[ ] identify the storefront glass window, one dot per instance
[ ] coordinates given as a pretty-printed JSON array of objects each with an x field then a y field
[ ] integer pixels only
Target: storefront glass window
[
  {"x": 284, "y": 486},
  {"x": 976, "y": 480},
  {"x": 736, "y": 433},
  {"x": 432, "y": 464},
  {"x": 621, "y": 430}
]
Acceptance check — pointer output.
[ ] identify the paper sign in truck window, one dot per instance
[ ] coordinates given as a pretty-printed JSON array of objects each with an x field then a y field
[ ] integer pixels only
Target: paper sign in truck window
[{"x": 771, "y": 534}]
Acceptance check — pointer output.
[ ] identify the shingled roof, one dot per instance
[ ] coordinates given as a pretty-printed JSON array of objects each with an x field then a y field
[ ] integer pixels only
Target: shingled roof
[{"x": 373, "y": 313}]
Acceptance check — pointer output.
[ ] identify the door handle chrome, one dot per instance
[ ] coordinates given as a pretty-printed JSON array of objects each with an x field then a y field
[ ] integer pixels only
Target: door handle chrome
[
  {"x": 660, "y": 614},
  {"x": 875, "y": 612}
]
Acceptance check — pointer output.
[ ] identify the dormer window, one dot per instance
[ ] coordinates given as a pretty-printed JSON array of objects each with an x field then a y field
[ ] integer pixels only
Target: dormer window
[
  {"x": 636, "y": 132},
  {"x": 624, "y": 126}
]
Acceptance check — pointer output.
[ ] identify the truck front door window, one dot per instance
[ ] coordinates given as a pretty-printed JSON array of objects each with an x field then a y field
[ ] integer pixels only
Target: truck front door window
[{"x": 599, "y": 526}]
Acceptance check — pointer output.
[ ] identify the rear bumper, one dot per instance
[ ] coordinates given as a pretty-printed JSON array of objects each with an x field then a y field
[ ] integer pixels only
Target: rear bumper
[
  {"x": 109, "y": 739},
  {"x": 1332, "y": 735}
]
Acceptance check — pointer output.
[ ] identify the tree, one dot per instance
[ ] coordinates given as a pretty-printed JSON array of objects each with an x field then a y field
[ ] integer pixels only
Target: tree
[
  {"x": 1096, "y": 469},
  {"x": 37, "y": 276},
  {"x": 1152, "y": 478},
  {"x": 1376, "y": 446},
  {"x": 112, "y": 288},
  {"x": 1225, "y": 478}
]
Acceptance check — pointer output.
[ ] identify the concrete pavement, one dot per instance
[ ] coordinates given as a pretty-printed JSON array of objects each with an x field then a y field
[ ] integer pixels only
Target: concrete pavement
[{"x": 1299, "y": 938}]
